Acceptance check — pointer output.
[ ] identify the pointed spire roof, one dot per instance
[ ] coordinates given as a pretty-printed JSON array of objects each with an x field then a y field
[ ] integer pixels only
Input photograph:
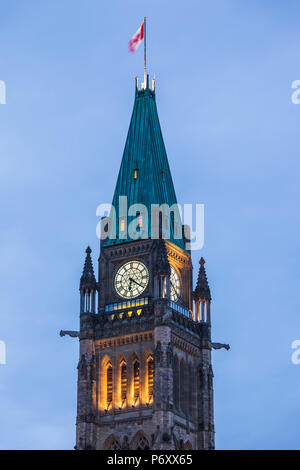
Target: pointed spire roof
[
  {"x": 144, "y": 176},
  {"x": 88, "y": 277},
  {"x": 202, "y": 290}
]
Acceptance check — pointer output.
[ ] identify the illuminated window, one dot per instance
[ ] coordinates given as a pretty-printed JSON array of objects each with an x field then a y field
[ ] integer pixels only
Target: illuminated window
[
  {"x": 109, "y": 384},
  {"x": 123, "y": 381},
  {"x": 135, "y": 173},
  {"x": 136, "y": 379},
  {"x": 150, "y": 376},
  {"x": 164, "y": 286},
  {"x": 122, "y": 224},
  {"x": 140, "y": 221}
]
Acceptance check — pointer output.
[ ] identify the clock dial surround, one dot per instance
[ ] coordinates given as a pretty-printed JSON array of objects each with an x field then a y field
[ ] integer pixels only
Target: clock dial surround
[
  {"x": 131, "y": 279},
  {"x": 175, "y": 287}
]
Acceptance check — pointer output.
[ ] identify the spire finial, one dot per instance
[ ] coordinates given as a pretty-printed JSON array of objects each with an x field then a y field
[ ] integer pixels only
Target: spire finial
[
  {"x": 202, "y": 290},
  {"x": 88, "y": 278}
]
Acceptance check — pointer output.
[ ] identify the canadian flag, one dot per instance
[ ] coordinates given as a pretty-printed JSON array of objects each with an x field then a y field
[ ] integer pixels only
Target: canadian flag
[{"x": 136, "y": 39}]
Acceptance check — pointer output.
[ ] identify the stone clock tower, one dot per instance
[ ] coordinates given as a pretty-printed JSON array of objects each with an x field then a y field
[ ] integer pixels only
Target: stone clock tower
[{"x": 145, "y": 377}]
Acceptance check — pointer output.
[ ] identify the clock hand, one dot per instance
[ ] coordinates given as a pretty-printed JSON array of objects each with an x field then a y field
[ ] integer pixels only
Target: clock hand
[{"x": 132, "y": 280}]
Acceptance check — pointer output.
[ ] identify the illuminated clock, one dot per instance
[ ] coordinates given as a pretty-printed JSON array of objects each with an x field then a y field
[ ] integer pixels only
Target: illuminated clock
[
  {"x": 174, "y": 285},
  {"x": 131, "y": 279}
]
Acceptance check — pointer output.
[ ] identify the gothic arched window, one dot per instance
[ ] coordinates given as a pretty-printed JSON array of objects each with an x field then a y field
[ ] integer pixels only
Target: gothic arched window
[
  {"x": 115, "y": 445},
  {"x": 188, "y": 446},
  {"x": 150, "y": 370},
  {"x": 142, "y": 444},
  {"x": 136, "y": 379},
  {"x": 123, "y": 381},
  {"x": 109, "y": 384},
  {"x": 112, "y": 443}
]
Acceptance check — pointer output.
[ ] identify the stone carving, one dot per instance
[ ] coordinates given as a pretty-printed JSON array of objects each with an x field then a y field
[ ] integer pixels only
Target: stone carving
[
  {"x": 158, "y": 354},
  {"x": 82, "y": 367},
  {"x": 210, "y": 376},
  {"x": 176, "y": 443},
  {"x": 203, "y": 378},
  {"x": 72, "y": 334},
  {"x": 155, "y": 435},
  {"x": 162, "y": 262},
  {"x": 93, "y": 368},
  {"x": 166, "y": 317},
  {"x": 169, "y": 355},
  {"x": 220, "y": 346},
  {"x": 125, "y": 443}
]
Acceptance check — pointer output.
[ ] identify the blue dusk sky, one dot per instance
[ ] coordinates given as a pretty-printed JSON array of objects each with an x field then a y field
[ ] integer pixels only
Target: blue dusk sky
[{"x": 224, "y": 71}]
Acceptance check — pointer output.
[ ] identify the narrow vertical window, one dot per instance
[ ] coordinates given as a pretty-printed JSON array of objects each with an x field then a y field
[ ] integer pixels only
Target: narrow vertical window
[
  {"x": 135, "y": 173},
  {"x": 136, "y": 379},
  {"x": 123, "y": 381},
  {"x": 183, "y": 380},
  {"x": 122, "y": 224},
  {"x": 159, "y": 285},
  {"x": 109, "y": 384},
  {"x": 163, "y": 176},
  {"x": 176, "y": 383},
  {"x": 191, "y": 391},
  {"x": 150, "y": 377},
  {"x": 140, "y": 222},
  {"x": 164, "y": 286}
]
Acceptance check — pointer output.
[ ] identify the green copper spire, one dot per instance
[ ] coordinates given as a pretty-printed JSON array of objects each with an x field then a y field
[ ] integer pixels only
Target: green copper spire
[{"x": 144, "y": 175}]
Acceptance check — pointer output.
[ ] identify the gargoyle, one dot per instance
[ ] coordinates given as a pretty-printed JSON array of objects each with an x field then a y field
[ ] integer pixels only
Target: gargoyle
[
  {"x": 73, "y": 334},
  {"x": 220, "y": 346}
]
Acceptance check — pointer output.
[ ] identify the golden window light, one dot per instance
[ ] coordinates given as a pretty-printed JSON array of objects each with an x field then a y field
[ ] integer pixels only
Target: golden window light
[
  {"x": 136, "y": 379},
  {"x": 109, "y": 385}
]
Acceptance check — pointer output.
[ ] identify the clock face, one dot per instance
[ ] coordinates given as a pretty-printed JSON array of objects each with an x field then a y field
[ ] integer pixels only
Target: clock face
[
  {"x": 131, "y": 279},
  {"x": 174, "y": 285}
]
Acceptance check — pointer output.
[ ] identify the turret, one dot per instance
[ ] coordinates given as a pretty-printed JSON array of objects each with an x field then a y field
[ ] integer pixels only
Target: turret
[
  {"x": 202, "y": 295},
  {"x": 162, "y": 271},
  {"x": 88, "y": 285}
]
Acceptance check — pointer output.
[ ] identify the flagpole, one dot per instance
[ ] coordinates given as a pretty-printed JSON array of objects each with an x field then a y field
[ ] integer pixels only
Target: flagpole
[{"x": 145, "y": 72}]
